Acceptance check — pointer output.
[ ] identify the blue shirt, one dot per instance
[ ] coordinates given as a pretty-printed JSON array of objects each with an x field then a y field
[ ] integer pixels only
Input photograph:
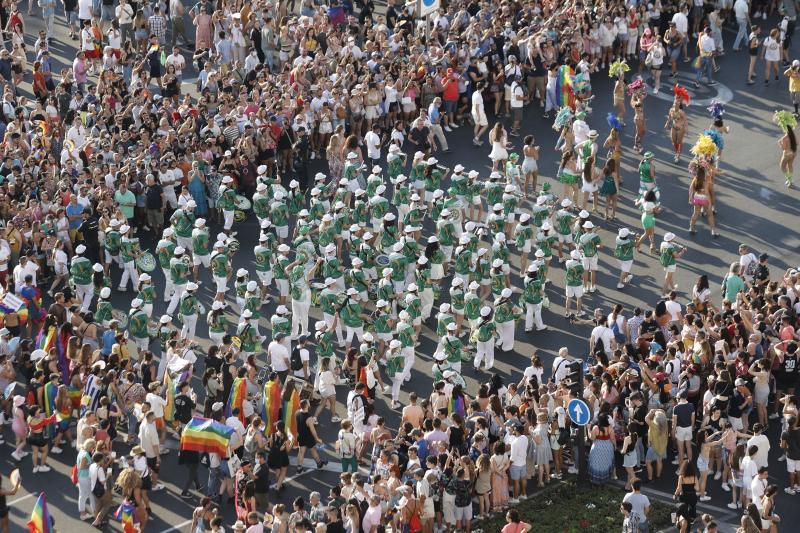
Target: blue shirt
[
  {"x": 74, "y": 210},
  {"x": 109, "y": 339},
  {"x": 433, "y": 114}
]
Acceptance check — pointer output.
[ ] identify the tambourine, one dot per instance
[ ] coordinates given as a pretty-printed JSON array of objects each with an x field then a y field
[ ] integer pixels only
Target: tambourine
[
  {"x": 120, "y": 317},
  {"x": 242, "y": 203},
  {"x": 146, "y": 262},
  {"x": 239, "y": 216},
  {"x": 233, "y": 244}
]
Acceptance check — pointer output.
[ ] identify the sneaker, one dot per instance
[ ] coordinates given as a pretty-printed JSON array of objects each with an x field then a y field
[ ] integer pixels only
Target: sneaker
[
  {"x": 335, "y": 419},
  {"x": 513, "y": 501},
  {"x": 726, "y": 487},
  {"x": 764, "y": 15},
  {"x": 447, "y": 129},
  {"x": 655, "y": 91},
  {"x": 782, "y": 458},
  {"x": 620, "y": 285},
  {"x": 300, "y": 469},
  {"x": 629, "y": 278},
  {"x": 157, "y": 487},
  {"x": 16, "y": 456},
  {"x": 696, "y": 85},
  {"x": 55, "y": 450},
  {"x": 774, "y": 416},
  {"x": 676, "y": 462},
  {"x": 789, "y": 490},
  {"x": 523, "y": 497},
  {"x": 44, "y": 468},
  {"x": 572, "y": 470},
  {"x": 718, "y": 475},
  {"x": 85, "y": 516},
  {"x": 704, "y": 498},
  {"x": 712, "y": 83},
  {"x": 733, "y": 505},
  {"x": 186, "y": 494}
]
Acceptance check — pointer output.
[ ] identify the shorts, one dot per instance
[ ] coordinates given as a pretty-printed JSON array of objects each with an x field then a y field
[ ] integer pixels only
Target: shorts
[
  {"x": 449, "y": 507},
  {"x": 262, "y": 500},
  {"x": 683, "y": 434},
  {"x": 670, "y": 268},
  {"x": 283, "y": 286},
  {"x": 653, "y": 455},
  {"x": 349, "y": 464},
  {"x": 574, "y": 292},
  {"x": 107, "y": 13},
  {"x": 792, "y": 465},
  {"x": 449, "y": 106},
  {"x": 222, "y": 284},
  {"x": 702, "y": 465},
  {"x": 517, "y": 473},
  {"x": 625, "y": 266},
  {"x": 516, "y": 114},
  {"x": 71, "y": 17},
  {"x": 159, "y": 422},
  {"x": 464, "y": 513},
  {"x": 147, "y": 483},
  {"x": 152, "y": 464},
  {"x": 155, "y": 218},
  {"x": 282, "y": 231},
  {"x": 480, "y": 120},
  {"x": 265, "y": 277},
  {"x": 565, "y": 239},
  {"x": 204, "y": 260},
  {"x": 590, "y": 263},
  {"x": 736, "y": 423}
]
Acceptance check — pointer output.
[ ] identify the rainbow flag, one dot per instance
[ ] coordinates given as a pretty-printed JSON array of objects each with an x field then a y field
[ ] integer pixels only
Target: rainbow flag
[
  {"x": 272, "y": 404},
  {"x": 206, "y": 435},
  {"x": 125, "y": 515},
  {"x": 61, "y": 344},
  {"x": 49, "y": 396},
  {"x": 75, "y": 395},
  {"x": 236, "y": 399},
  {"x": 40, "y": 521},
  {"x": 564, "y": 92},
  {"x": 169, "y": 389},
  {"x": 290, "y": 408},
  {"x": 456, "y": 405},
  {"x": 46, "y": 342}
]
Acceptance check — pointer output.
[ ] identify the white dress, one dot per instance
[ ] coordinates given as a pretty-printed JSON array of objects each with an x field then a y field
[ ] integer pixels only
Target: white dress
[{"x": 499, "y": 152}]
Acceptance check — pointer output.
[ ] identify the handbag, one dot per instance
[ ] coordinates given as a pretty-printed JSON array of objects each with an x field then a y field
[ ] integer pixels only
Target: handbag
[
  {"x": 234, "y": 463},
  {"x": 98, "y": 490}
]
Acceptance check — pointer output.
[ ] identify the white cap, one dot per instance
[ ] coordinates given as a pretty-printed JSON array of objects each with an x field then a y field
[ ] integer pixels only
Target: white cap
[
  {"x": 497, "y": 263},
  {"x": 457, "y": 282},
  {"x": 539, "y": 253},
  {"x": 412, "y": 287},
  {"x": 327, "y": 217},
  {"x": 486, "y": 310},
  {"x": 279, "y": 195},
  {"x": 352, "y": 291},
  {"x": 482, "y": 252},
  {"x": 97, "y": 267},
  {"x": 356, "y": 261},
  {"x": 509, "y": 188},
  {"x": 588, "y": 224},
  {"x": 547, "y": 225},
  {"x": 376, "y": 169},
  {"x": 669, "y": 236},
  {"x": 261, "y": 187},
  {"x": 262, "y": 169},
  {"x": 179, "y": 250},
  {"x": 368, "y": 337},
  {"x": 217, "y": 406},
  {"x": 506, "y": 293},
  {"x": 575, "y": 254},
  {"x": 394, "y": 343},
  {"x": 445, "y": 213},
  {"x": 388, "y": 272},
  {"x": 533, "y": 267},
  {"x": 227, "y": 179},
  {"x": 191, "y": 286},
  {"x": 219, "y": 244},
  {"x": 145, "y": 277},
  {"x": 422, "y": 260},
  {"x": 124, "y": 228},
  {"x": 319, "y": 176},
  {"x": 368, "y": 235},
  {"x": 431, "y": 161},
  {"x": 283, "y": 247},
  {"x": 252, "y": 286},
  {"x": 168, "y": 232},
  {"x": 330, "y": 248},
  {"x": 247, "y": 313},
  {"x": 165, "y": 319},
  {"x": 319, "y": 325},
  {"x": 281, "y": 310},
  {"x": 474, "y": 285},
  {"x": 200, "y": 222},
  {"x": 541, "y": 200},
  {"x": 293, "y": 184},
  {"x": 584, "y": 213},
  {"x": 433, "y": 238},
  {"x": 80, "y": 249},
  {"x": 458, "y": 168},
  {"x": 497, "y": 207},
  {"x": 451, "y": 326},
  {"x": 524, "y": 217},
  {"x": 136, "y": 302},
  {"x": 566, "y": 202},
  {"x": 241, "y": 272},
  {"x": 623, "y": 233},
  {"x": 381, "y": 303},
  {"x": 217, "y": 305},
  {"x": 403, "y": 315},
  {"x": 105, "y": 292},
  {"x": 473, "y": 174},
  {"x": 192, "y": 204},
  {"x": 445, "y": 307}
]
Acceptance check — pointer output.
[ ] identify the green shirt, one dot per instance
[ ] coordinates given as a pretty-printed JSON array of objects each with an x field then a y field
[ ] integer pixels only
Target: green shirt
[
  {"x": 624, "y": 249},
  {"x": 81, "y": 270},
  {"x": 444, "y": 232},
  {"x": 147, "y": 294},
  {"x": 533, "y": 290},
  {"x": 590, "y": 242},
  {"x": 113, "y": 238},
  {"x": 261, "y": 205},
  {"x": 129, "y": 247},
  {"x": 137, "y": 324},
  {"x": 329, "y": 301},
  {"x": 218, "y": 324},
  {"x": 414, "y": 306},
  {"x": 452, "y": 348},
  {"x": 252, "y": 302},
  {"x": 324, "y": 344},
  {"x": 219, "y": 264},
  {"x": 280, "y": 324},
  {"x": 472, "y": 306},
  {"x": 103, "y": 313},
  {"x": 563, "y": 221},
  {"x": 504, "y": 312},
  {"x": 263, "y": 255},
  {"x": 395, "y": 364},
  {"x": 351, "y": 314},
  {"x": 442, "y": 320},
  {"x": 523, "y": 233},
  {"x": 457, "y": 298},
  {"x": 486, "y": 330},
  {"x": 405, "y": 334},
  {"x": 380, "y": 323},
  {"x": 227, "y": 199},
  {"x": 667, "y": 256},
  {"x": 178, "y": 271},
  {"x": 279, "y": 213},
  {"x": 200, "y": 242},
  {"x": 183, "y": 223},
  {"x": 358, "y": 280},
  {"x": 297, "y": 280},
  {"x": 165, "y": 250},
  {"x": 279, "y": 271},
  {"x": 188, "y": 305},
  {"x": 574, "y": 273}
]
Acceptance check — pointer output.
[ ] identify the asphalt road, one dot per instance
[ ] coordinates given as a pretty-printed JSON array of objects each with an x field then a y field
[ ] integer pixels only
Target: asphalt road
[{"x": 753, "y": 207}]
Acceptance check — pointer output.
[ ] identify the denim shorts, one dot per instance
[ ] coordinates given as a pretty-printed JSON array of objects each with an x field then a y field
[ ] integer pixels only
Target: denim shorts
[
  {"x": 449, "y": 106},
  {"x": 517, "y": 472}
]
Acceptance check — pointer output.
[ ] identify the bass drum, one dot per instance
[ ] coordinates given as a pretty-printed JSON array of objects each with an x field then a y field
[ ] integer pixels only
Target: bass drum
[
  {"x": 242, "y": 203},
  {"x": 146, "y": 262},
  {"x": 239, "y": 215},
  {"x": 381, "y": 262}
]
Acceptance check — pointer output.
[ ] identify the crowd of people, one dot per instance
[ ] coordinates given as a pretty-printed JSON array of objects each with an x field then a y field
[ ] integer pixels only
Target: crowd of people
[{"x": 318, "y": 127}]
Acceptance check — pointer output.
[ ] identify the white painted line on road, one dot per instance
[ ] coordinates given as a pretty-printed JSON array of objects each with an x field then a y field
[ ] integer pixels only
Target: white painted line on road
[
  {"x": 178, "y": 527},
  {"x": 21, "y": 498}
]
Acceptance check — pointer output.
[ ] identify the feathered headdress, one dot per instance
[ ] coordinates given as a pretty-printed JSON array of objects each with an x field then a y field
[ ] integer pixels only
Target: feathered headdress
[
  {"x": 620, "y": 66},
  {"x": 579, "y": 82},
  {"x": 715, "y": 136},
  {"x": 636, "y": 86},
  {"x": 697, "y": 163},
  {"x": 785, "y": 119},
  {"x": 681, "y": 93},
  {"x": 717, "y": 109},
  {"x": 562, "y": 118},
  {"x": 705, "y": 146},
  {"x": 614, "y": 122}
]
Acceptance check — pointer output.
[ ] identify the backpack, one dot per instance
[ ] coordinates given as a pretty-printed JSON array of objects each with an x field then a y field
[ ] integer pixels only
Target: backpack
[
  {"x": 295, "y": 361},
  {"x": 618, "y": 335}
]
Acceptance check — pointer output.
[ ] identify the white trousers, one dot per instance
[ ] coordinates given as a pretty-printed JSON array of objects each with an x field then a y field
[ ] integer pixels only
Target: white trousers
[
  {"x": 177, "y": 292},
  {"x": 329, "y": 320},
  {"x": 228, "y": 217},
  {"x": 426, "y": 298},
  {"x": 129, "y": 271},
  {"x": 300, "y": 309},
  {"x": 533, "y": 313},
  {"x": 85, "y": 293},
  {"x": 506, "y": 331},
  {"x": 169, "y": 286},
  {"x": 408, "y": 353},
  {"x": 189, "y": 325},
  {"x": 484, "y": 350}
]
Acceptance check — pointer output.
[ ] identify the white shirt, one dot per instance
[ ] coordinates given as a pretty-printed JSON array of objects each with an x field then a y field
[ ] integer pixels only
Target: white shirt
[
  {"x": 373, "y": 142},
  {"x": 707, "y": 45},
  {"x": 177, "y": 61},
  {"x": 560, "y": 368},
  {"x": 760, "y": 458},
  {"x": 681, "y": 22},
  {"x": 279, "y": 354},
  {"x": 304, "y": 358},
  {"x": 477, "y": 104},
  {"x": 745, "y": 261},
  {"x": 125, "y": 15},
  {"x": 674, "y": 309},
  {"x": 519, "y": 451},
  {"x": 85, "y": 9},
  {"x": 517, "y": 96},
  {"x": 749, "y": 471},
  {"x": 741, "y": 8},
  {"x": 148, "y": 439},
  {"x": 757, "y": 488},
  {"x": 603, "y": 334},
  {"x": 157, "y": 404}
]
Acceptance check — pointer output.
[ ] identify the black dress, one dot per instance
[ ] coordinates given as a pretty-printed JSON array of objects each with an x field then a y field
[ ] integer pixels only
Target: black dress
[{"x": 278, "y": 456}]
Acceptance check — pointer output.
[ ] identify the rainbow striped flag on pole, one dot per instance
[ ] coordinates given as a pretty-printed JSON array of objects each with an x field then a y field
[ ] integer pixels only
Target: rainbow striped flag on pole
[
  {"x": 40, "y": 521},
  {"x": 290, "y": 408},
  {"x": 125, "y": 515},
  {"x": 206, "y": 435},
  {"x": 236, "y": 399},
  {"x": 272, "y": 405}
]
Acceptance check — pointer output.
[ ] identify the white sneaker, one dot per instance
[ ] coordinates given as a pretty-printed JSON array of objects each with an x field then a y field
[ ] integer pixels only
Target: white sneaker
[
  {"x": 655, "y": 91},
  {"x": 774, "y": 416},
  {"x": 44, "y": 468},
  {"x": 513, "y": 501},
  {"x": 733, "y": 505},
  {"x": 447, "y": 129},
  {"x": 789, "y": 490},
  {"x": 572, "y": 470},
  {"x": 782, "y": 458},
  {"x": 704, "y": 498},
  {"x": 764, "y": 15},
  {"x": 718, "y": 475},
  {"x": 620, "y": 285},
  {"x": 158, "y": 486},
  {"x": 726, "y": 487},
  {"x": 629, "y": 278},
  {"x": 676, "y": 462},
  {"x": 35, "y": 469},
  {"x": 55, "y": 450}
]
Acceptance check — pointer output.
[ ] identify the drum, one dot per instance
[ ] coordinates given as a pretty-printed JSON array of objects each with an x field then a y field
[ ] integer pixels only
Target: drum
[
  {"x": 316, "y": 290},
  {"x": 120, "y": 317},
  {"x": 233, "y": 245},
  {"x": 381, "y": 262},
  {"x": 152, "y": 328},
  {"x": 242, "y": 203},
  {"x": 146, "y": 262},
  {"x": 239, "y": 215}
]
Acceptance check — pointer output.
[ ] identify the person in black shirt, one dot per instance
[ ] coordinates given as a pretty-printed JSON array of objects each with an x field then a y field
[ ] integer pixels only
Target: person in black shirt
[
  {"x": 302, "y": 152},
  {"x": 391, "y": 15},
  {"x": 420, "y": 136},
  {"x": 184, "y": 404},
  {"x": 154, "y": 202},
  {"x": 307, "y": 438},
  {"x": 261, "y": 479},
  {"x": 761, "y": 275},
  {"x": 89, "y": 229},
  {"x": 790, "y": 442}
]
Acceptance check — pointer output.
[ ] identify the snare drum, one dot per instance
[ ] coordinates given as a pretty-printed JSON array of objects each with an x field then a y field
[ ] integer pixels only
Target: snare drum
[
  {"x": 152, "y": 328},
  {"x": 316, "y": 290},
  {"x": 146, "y": 262},
  {"x": 233, "y": 244},
  {"x": 242, "y": 203},
  {"x": 121, "y": 317},
  {"x": 381, "y": 262}
]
